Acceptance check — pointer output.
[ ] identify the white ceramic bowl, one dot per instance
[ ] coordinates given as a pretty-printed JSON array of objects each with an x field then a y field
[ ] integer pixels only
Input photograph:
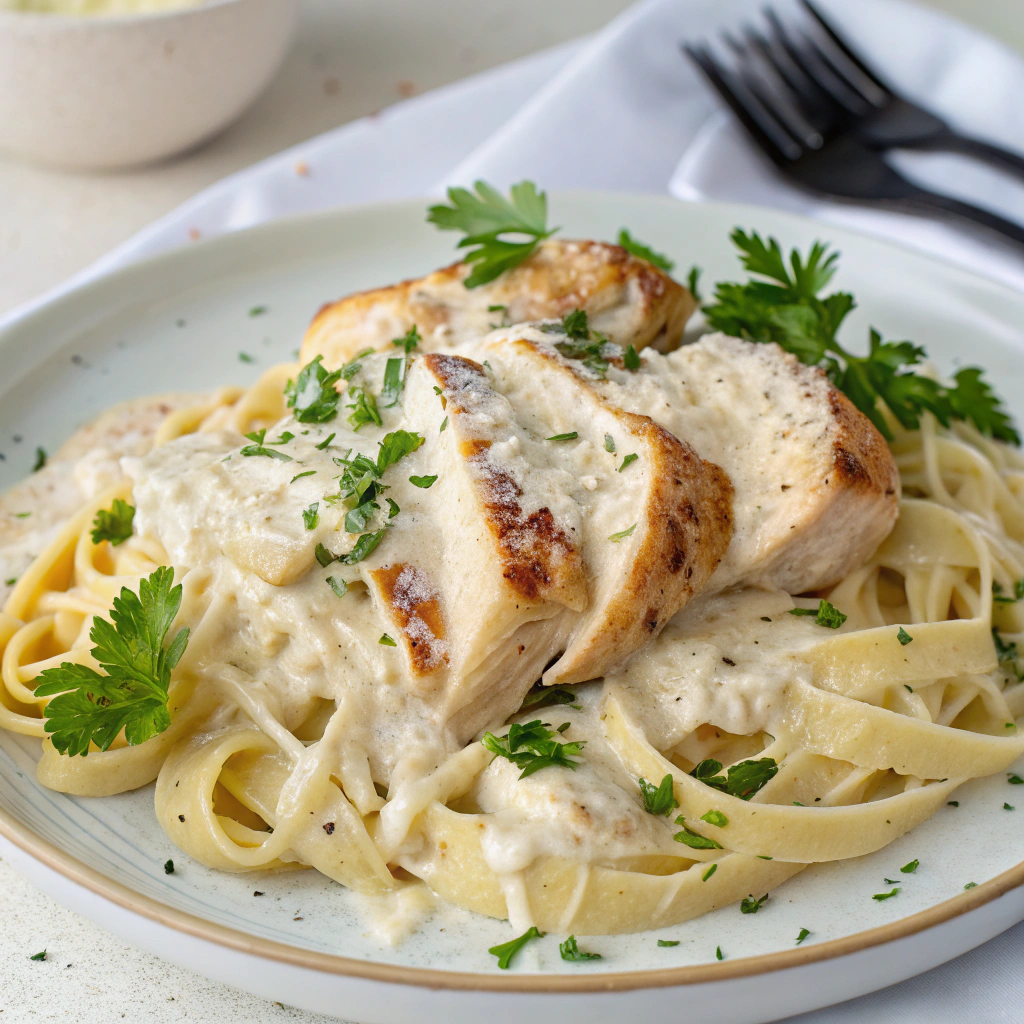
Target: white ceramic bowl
[{"x": 94, "y": 93}]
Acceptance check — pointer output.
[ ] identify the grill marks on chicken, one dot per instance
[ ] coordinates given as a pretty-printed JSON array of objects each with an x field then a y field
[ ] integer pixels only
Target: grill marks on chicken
[{"x": 626, "y": 298}]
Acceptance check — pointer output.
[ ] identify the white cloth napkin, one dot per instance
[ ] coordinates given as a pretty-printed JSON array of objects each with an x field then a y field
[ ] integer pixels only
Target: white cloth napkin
[{"x": 624, "y": 111}]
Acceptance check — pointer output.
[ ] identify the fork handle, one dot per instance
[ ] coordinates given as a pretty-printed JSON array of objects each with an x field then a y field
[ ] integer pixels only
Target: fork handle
[
  {"x": 947, "y": 141},
  {"x": 921, "y": 200}
]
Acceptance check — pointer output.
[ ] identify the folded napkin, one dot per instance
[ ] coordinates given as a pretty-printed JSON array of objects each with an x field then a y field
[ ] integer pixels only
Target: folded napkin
[{"x": 625, "y": 111}]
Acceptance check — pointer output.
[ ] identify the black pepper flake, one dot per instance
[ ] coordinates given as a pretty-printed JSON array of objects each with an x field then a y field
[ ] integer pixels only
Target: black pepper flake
[
  {"x": 256, "y": 892},
  {"x": 329, "y": 828},
  {"x": 181, "y": 817},
  {"x": 729, "y": 661}
]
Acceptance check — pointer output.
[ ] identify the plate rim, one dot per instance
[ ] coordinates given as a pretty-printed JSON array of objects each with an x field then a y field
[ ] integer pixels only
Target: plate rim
[{"x": 94, "y": 881}]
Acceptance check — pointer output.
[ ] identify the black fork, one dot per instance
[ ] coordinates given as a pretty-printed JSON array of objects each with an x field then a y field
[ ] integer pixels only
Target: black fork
[{"x": 784, "y": 93}]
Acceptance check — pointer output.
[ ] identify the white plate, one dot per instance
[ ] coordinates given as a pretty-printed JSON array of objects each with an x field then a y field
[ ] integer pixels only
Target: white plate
[{"x": 180, "y": 322}]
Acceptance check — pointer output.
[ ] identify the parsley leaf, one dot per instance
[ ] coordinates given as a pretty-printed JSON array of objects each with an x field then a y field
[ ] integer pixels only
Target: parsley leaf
[
  {"x": 750, "y": 905},
  {"x": 716, "y": 818},
  {"x": 576, "y": 326},
  {"x": 38, "y": 956},
  {"x": 622, "y": 534},
  {"x": 423, "y": 481},
  {"x": 363, "y": 406},
  {"x": 885, "y": 895},
  {"x": 40, "y": 460},
  {"x": 409, "y": 340},
  {"x": 571, "y": 951},
  {"x": 571, "y": 436},
  {"x": 258, "y": 447},
  {"x": 804, "y": 932},
  {"x": 485, "y": 217},
  {"x": 89, "y": 707},
  {"x": 507, "y": 950},
  {"x": 542, "y": 696},
  {"x": 710, "y": 871},
  {"x": 387, "y": 641},
  {"x": 393, "y": 383},
  {"x": 363, "y": 547},
  {"x": 783, "y": 304},
  {"x": 311, "y": 516},
  {"x": 628, "y": 460},
  {"x": 999, "y": 597},
  {"x": 395, "y": 446},
  {"x": 668, "y": 942},
  {"x": 659, "y": 800},
  {"x": 909, "y": 869},
  {"x": 631, "y": 358},
  {"x": 693, "y": 280},
  {"x": 532, "y": 747},
  {"x": 338, "y": 585},
  {"x": 114, "y": 526},
  {"x": 694, "y": 839},
  {"x": 609, "y": 443},
  {"x": 742, "y": 780},
  {"x": 312, "y": 394},
  {"x": 630, "y": 244},
  {"x": 825, "y": 614},
  {"x": 904, "y": 638}
]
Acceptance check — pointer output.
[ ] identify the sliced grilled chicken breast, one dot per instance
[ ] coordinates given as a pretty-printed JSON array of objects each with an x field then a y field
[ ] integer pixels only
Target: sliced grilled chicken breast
[
  {"x": 626, "y": 298},
  {"x": 816, "y": 487}
]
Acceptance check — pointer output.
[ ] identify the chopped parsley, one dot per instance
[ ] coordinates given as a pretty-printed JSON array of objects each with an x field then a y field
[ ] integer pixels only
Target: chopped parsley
[
  {"x": 325, "y": 443},
  {"x": 532, "y": 747},
  {"x": 668, "y": 942},
  {"x": 716, "y": 818},
  {"x": 386, "y": 641},
  {"x": 38, "y": 956},
  {"x": 259, "y": 448},
  {"x": 571, "y": 436},
  {"x": 630, "y": 244},
  {"x": 363, "y": 406},
  {"x": 244, "y": 357},
  {"x": 751, "y": 905},
  {"x": 423, "y": 481},
  {"x": 444, "y": 425},
  {"x": 710, "y": 871},
  {"x": 904, "y": 638},
  {"x": 622, "y": 534},
  {"x": 1009, "y": 807},
  {"x": 783, "y": 304},
  {"x": 393, "y": 508},
  {"x": 571, "y": 951},
  {"x": 299, "y": 476},
  {"x": 742, "y": 780},
  {"x": 115, "y": 525},
  {"x": 628, "y": 460},
  {"x": 40, "y": 460},
  {"x": 692, "y": 282},
  {"x": 631, "y": 359},
  {"x": 339, "y": 586},
  {"x": 659, "y": 800},
  {"x": 395, "y": 446},
  {"x": 363, "y": 547},
  {"x": 886, "y": 895},
  {"x": 485, "y": 217},
  {"x": 312, "y": 394},
  {"x": 257, "y": 311},
  {"x": 718, "y": 953},
  {"x": 541, "y": 696},
  {"x": 10, "y": 582},
  {"x": 409, "y": 340},
  {"x": 592, "y": 353},
  {"x": 357, "y": 518},
  {"x": 825, "y": 614},
  {"x": 323, "y": 556},
  {"x": 576, "y": 326},
  {"x": 971, "y": 885},
  {"x": 909, "y": 869},
  {"x": 393, "y": 383},
  {"x": 1015, "y": 780},
  {"x": 609, "y": 443},
  {"x": 507, "y": 950},
  {"x": 694, "y": 840},
  {"x": 999, "y": 597},
  {"x": 91, "y": 708},
  {"x": 804, "y": 932},
  {"x": 1006, "y": 653},
  {"x": 311, "y": 516}
]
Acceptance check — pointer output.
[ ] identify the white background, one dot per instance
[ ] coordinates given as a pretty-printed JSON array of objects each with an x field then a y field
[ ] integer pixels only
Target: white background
[{"x": 350, "y": 58}]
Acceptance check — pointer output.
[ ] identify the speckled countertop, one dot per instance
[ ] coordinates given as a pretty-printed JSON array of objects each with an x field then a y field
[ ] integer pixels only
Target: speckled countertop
[{"x": 351, "y": 57}]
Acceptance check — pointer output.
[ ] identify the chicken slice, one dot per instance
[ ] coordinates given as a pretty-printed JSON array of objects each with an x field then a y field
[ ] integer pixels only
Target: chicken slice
[
  {"x": 657, "y": 517},
  {"x": 816, "y": 487},
  {"x": 626, "y": 298}
]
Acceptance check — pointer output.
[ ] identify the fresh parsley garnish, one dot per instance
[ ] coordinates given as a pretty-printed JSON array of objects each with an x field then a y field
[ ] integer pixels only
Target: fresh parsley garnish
[
  {"x": 576, "y": 327},
  {"x": 659, "y": 800},
  {"x": 570, "y": 436},
  {"x": 804, "y": 932},
  {"x": 363, "y": 547},
  {"x": 486, "y": 218},
  {"x": 325, "y": 443},
  {"x": 971, "y": 885},
  {"x": 693, "y": 280},
  {"x": 395, "y": 446},
  {"x": 628, "y": 460},
  {"x": 710, "y": 871},
  {"x": 909, "y": 869},
  {"x": 259, "y": 448},
  {"x": 1009, "y": 807},
  {"x": 311, "y": 516},
  {"x": 631, "y": 359},
  {"x": 393, "y": 508},
  {"x": 904, "y": 638},
  {"x": 751, "y": 905},
  {"x": 1006, "y": 653},
  {"x": 783, "y": 304},
  {"x": 630, "y": 244},
  {"x": 694, "y": 839},
  {"x": 886, "y": 895},
  {"x": 532, "y": 747},
  {"x": 312, "y": 394},
  {"x": 393, "y": 383},
  {"x": 40, "y": 460},
  {"x": 507, "y": 950},
  {"x": 541, "y": 696},
  {"x": 622, "y": 534},
  {"x": 742, "y": 780},
  {"x": 716, "y": 818},
  {"x": 571, "y": 951},
  {"x": 718, "y": 953},
  {"x": 323, "y": 556},
  {"x": 409, "y": 340},
  {"x": 257, "y": 311},
  {"x": 244, "y": 357},
  {"x": 423, "y": 481},
  {"x": 386, "y": 641},
  {"x": 114, "y": 525},
  {"x": 999, "y": 597},
  {"x": 299, "y": 476},
  {"x": 363, "y": 406},
  {"x": 825, "y": 614},
  {"x": 668, "y": 942},
  {"x": 38, "y": 956},
  {"x": 339, "y": 586},
  {"x": 1015, "y": 780},
  {"x": 90, "y": 707},
  {"x": 609, "y": 444}
]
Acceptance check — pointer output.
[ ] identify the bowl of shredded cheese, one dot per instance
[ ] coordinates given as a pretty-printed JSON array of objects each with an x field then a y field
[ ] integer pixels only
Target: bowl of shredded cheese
[{"x": 105, "y": 84}]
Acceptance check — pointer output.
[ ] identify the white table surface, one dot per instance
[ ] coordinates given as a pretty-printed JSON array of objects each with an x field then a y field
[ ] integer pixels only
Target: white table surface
[{"x": 350, "y": 57}]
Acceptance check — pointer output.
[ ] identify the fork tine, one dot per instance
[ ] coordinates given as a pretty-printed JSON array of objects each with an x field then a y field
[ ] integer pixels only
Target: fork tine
[
  {"x": 812, "y": 65},
  {"x": 844, "y": 47},
  {"x": 777, "y": 144}
]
